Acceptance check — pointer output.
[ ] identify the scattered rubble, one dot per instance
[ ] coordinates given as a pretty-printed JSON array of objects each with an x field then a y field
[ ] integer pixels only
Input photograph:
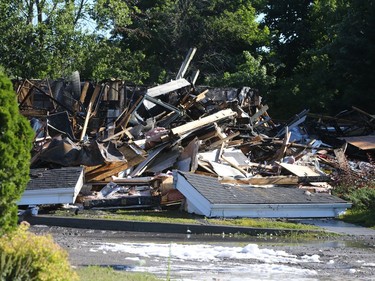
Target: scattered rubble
[{"x": 131, "y": 141}]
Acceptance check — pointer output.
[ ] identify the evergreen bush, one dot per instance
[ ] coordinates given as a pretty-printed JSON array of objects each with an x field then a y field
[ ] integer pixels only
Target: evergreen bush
[{"x": 15, "y": 145}]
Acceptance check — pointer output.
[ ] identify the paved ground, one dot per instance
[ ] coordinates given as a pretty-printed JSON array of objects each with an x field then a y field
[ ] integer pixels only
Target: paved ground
[{"x": 340, "y": 227}]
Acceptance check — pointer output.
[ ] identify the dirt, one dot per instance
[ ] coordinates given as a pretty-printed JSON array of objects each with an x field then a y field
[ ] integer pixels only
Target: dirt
[{"x": 345, "y": 257}]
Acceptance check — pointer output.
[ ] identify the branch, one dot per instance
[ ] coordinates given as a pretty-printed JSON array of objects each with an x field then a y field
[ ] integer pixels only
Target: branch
[{"x": 79, "y": 12}]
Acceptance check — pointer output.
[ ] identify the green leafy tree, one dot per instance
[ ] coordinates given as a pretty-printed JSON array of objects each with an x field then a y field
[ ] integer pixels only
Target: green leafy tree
[
  {"x": 15, "y": 146},
  {"x": 333, "y": 71},
  {"x": 41, "y": 38},
  {"x": 220, "y": 30},
  {"x": 290, "y": 24},
  {"x": 352, "y": 54},
  {"x": 107, "y": 59},
  {"x": 252, "y": 72},
  {"x": 53, "y": 38}
]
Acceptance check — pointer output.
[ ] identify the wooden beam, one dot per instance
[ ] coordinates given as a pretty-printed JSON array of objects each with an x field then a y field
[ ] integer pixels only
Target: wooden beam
[
  {"x": 125, "y": 131},
  {"x": 234, "y": 165},
  {"x": 223, "y": 114},
  {"x": 84, "y": 92},
  {"x": 276, "y": 180},
  {"x": 89, "y": 109},
  {"x": 259, "y": 113},
  {"x": 186, "y": 63},
  {"x": 219, "y": 142},
  {"x": 24, "y": 93},
  {"x": 195, "y": 76},
  {"x": 281, "y": 151},
  {"x": 123, "y": 120},
  {"x": 106, "y": 171}
]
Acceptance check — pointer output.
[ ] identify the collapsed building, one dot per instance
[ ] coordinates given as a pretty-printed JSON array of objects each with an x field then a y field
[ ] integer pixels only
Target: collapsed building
[{"x": 213, "y": 152}]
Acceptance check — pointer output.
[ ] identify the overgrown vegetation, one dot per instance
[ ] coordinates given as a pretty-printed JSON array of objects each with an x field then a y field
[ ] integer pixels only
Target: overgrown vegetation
[
  {"x": 358, "y": 188},
  {"x": 26, "y": 256}
]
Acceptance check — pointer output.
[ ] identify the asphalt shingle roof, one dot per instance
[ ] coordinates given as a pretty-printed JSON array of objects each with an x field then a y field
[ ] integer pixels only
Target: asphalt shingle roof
[
  {"x": 218, "y": 193},
  {"x": 54, "y": 178}
]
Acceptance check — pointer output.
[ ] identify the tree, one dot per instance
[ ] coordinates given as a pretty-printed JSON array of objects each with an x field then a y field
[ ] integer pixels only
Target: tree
[
  {"x": 290, "y": 24},
  {"x": 15, "y": 146},
  {"x": 42, "y": 38},
  {"x": 107, "y": 59},
  {"x": 352, "y": 54},
  {"x": 252, "y": 72},
  {"x": 220, "y": 30},
  {"x": 333, "y": 71}
]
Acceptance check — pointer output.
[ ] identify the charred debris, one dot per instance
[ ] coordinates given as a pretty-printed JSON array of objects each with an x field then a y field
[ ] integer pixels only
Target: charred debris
[{"x": 126, "y": 143}]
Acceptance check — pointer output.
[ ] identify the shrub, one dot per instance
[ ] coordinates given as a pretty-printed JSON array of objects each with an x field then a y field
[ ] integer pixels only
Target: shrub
[
  {"x": 25, "y": 256},
  {"x": 363, "y": 198},
  {"x": 15, "y": 146}
]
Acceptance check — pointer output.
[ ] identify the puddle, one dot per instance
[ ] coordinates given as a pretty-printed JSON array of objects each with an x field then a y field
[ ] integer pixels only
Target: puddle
[{"x": 211, "y": 262}]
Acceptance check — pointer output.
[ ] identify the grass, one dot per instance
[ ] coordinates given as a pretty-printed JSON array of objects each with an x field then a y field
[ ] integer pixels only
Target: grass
[
  {"x": 135, "y": 215},
  {"x": 109, "y": 274},
  {"x": 263, "y": 223},
  {"x": 175, "y": 216},
  {"x": 363, "y": 217}
]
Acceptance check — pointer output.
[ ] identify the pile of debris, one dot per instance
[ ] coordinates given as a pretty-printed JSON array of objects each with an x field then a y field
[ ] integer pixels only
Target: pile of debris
[{"x": 113, "y": 145}]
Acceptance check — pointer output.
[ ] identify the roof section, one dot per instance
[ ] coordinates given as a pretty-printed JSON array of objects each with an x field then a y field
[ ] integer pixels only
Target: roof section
[
  {"x": 54, "y": 178},
  {"x": 206, "y": 196},
  {"x": 217, "y": 193},
  {"x": 55, "y": 186}
]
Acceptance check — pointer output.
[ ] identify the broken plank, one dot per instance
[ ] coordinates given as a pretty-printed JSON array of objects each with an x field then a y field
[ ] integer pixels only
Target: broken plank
[
  {"x": 272, "y": 180},
  {"x": 223, "y": 114},
  {"x": 84, "y": 92},
  {"x": 102, "y": 175},
  {"x": 135, "y": 181},
  {"x": 167, "y": 87},
  {"x": 101, "y": 168},
  {"x": 195, "y": 77},
  {"x": 281, "y": 151},
  {"x": 89, "y": 109},
  {"x": 219, "y": 142},
  {"x": 24, "y": 93},
  {"x": 259, "y": 113},
  {"x": 190, "y": 152},
  {"x": 125, "y": 116},
  {"x": 186, "y": 63},
  {"x": 189, "y": 103},
  {"x": 119, "y": 134},
  {"x": 234, "y": 165},
  {"x": 298, "y": 170}
]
